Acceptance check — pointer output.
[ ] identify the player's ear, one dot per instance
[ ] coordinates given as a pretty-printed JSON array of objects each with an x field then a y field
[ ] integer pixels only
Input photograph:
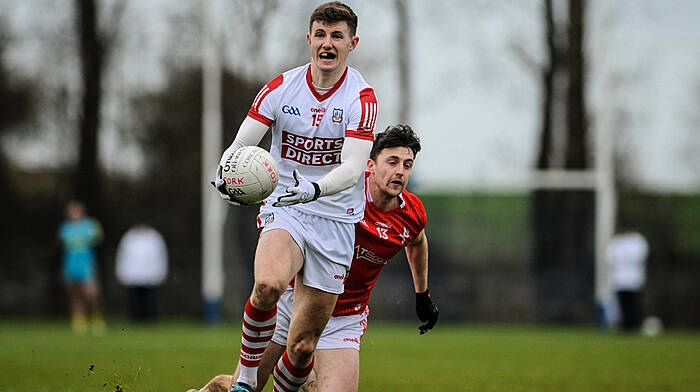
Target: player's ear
[
  {"x": 353, "y": 42},
  {"x": 370, "y": 166},
  {"x": 308, "y": 38}
]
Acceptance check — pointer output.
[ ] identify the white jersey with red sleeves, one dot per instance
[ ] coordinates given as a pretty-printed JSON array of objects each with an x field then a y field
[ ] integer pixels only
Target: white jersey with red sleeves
[
  {"x": 379, "y": 236},
  {"x": 308, "y": 131}
]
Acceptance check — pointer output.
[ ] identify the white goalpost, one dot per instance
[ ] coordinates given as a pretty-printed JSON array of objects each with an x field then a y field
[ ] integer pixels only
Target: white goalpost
[
  {"x": 213, "y": 208},
  {"x": 600, "y": 180}
]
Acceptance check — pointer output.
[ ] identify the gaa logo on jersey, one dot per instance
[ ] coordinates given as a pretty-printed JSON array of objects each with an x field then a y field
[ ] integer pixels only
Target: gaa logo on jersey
[
  {"x": 291, "y": 110},
  {"x": 337, "y": 115}
]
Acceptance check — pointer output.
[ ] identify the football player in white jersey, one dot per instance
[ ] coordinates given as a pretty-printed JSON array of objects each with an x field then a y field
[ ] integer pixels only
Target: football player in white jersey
[{"x": 322, "y": 118}]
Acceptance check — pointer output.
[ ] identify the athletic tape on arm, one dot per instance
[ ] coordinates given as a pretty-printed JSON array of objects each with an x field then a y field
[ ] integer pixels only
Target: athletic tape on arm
[
  {"x": 250, "y": 133},
  {"x": 353, "y": 158}
]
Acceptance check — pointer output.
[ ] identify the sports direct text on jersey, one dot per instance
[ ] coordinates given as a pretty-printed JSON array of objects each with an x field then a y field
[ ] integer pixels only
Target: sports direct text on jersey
[{"x": 313, "y": 151}]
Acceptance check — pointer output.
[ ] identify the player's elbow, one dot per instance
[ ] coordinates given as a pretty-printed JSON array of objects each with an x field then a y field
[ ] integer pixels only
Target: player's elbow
[
  {"x": 358, "y": 172},
  {"x": 354, "y": 158},
  {"x": 358, "y": 169}
]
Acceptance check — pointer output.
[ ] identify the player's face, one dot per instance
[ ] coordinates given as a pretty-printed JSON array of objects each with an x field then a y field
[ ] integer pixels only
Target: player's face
[
  {"x": 391, "y": 170},
  {"x": 330, "y": 45}
]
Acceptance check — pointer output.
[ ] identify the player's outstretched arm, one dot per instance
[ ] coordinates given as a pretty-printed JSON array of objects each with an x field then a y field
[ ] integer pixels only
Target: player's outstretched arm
[
  {"x": 417, "y": 255},
  {"x": 249, "y": 134},
  {"x": 353, "y": 157}
]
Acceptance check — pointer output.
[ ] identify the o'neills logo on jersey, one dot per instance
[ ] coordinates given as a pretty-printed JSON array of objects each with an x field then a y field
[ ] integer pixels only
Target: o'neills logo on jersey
[
  {"x": 313, "y": 151},
  {"x": 366, "y": 254}
]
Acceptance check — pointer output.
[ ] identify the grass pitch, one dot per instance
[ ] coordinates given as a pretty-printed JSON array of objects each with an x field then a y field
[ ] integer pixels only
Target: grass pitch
[{"x": 44, "y": 355}]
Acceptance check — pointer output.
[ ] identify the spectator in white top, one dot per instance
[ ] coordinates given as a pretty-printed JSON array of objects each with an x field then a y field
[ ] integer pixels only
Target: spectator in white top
[
  {"x": 627, "y": 254},
  {"x": 142, "y": 265}
]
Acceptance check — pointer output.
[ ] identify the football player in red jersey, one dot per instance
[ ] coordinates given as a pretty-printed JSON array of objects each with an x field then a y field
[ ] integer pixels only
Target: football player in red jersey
[{"x": 394, "y": 219}]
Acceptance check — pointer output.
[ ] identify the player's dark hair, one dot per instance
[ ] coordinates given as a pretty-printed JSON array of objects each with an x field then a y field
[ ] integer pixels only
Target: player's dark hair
[
  {"x": 334, "y": 12},
  {"x": 395, "y": 136}
]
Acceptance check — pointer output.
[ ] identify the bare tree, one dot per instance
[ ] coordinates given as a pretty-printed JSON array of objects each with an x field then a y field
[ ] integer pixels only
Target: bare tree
[
  {"x": 94, "y": 47},
  {"x": 404, "y": 60},
  {"x": 251, "y": 31},
  {"x": 563, "y": 220},
  {"x": 548, "y": 72},
  {"x": 577, "y": 122},
  {"x": 87, "y": 182}
]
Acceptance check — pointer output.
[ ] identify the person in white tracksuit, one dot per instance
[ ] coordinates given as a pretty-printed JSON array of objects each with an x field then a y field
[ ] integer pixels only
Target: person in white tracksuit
[{"x": 627, "y": 254}]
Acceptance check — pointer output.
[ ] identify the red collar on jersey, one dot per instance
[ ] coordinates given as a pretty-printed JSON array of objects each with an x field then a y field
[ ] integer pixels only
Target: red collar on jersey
[{"x": 322, "y": 97}]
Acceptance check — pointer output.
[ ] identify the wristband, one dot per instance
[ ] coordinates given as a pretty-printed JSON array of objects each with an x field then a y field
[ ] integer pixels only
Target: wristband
[{"x": 423, "y": 297}]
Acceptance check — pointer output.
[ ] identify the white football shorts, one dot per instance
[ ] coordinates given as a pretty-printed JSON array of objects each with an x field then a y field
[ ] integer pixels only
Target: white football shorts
[
  {"x": 340, "y": 332},
  {"x": 327, "y": 245}
]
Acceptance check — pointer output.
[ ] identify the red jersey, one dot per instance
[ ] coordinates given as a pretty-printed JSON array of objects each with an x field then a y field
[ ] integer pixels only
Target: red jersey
[{"x": 379, "y": 236}]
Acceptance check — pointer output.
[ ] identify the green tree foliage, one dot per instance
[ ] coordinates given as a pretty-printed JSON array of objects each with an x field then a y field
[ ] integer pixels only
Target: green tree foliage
[{"x": 16, "y": 107}]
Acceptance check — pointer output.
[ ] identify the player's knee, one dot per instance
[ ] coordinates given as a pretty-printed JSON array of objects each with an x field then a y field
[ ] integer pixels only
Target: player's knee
[
  {"x": 221, "y": 383},
  {"x": 301, "y": 350},
  {"x": 266, "y": 293}
]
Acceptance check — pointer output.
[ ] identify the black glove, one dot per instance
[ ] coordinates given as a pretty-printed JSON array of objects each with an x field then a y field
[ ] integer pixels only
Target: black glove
[{"x": 427, "y": 311}]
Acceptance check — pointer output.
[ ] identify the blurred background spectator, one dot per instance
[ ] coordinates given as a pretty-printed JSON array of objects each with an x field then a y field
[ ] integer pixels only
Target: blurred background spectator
[
  {"x": 627, "y": 254},
  {"x": 79, "y": 235},
  {"x": 142, "y": 266}
]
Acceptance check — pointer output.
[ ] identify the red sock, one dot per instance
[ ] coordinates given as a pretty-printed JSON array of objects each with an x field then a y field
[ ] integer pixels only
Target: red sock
[
  {"x": 257, "y": 331},
  {"x": 288, "y": 378}
]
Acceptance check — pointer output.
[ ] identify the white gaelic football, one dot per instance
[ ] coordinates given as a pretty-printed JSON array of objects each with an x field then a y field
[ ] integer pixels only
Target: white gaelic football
[{"x": 250, "y": 174}]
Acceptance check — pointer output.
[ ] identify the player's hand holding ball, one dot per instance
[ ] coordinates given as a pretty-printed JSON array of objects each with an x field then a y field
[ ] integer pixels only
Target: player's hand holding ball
[
  {"x": 246, "y": 176},
  {"x": 427, "y": 311},
  {"x": 220, "y": 185},
  {"x": 303, "y": 191}
]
